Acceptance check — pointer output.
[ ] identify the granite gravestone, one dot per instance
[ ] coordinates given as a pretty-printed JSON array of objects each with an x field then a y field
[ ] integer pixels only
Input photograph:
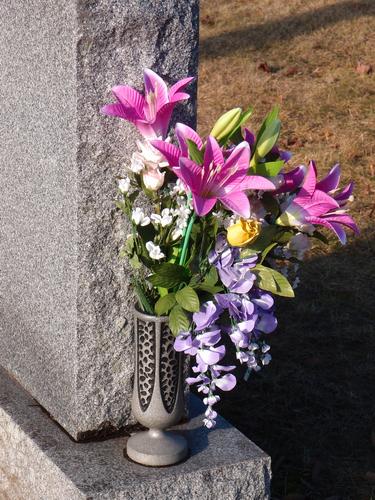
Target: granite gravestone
[{"x": 65, "y": 303}]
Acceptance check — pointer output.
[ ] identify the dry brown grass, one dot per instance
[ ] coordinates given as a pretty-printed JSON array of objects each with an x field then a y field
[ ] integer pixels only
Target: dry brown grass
[{"x": 313, "y": 409}]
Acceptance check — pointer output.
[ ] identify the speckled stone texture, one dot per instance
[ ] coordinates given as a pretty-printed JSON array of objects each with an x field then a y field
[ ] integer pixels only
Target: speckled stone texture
[
  {"x": 65, "y": 304},
  {"x": 39, "y": 461}
]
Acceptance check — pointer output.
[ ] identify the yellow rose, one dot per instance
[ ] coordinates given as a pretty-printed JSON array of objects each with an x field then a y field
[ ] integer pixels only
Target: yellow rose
[{"x": 243, "y": 232}]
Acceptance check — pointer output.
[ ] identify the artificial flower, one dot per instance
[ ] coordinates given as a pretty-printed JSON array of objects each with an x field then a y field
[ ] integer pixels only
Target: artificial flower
[
  {"x": 164, "y": 219},
  {"x": 152, "y": 112},
  {"x": 124, "y": 185},
  {"x": 315, "y": 206},
  {"x": 154, "y": 251},
  {"x": 139, "y": 218},
  {"x": 243, "y": 232}
]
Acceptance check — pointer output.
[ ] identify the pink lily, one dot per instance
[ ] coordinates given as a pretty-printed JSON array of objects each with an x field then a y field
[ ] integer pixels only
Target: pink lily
[
  {"x": 173, "y": 153},
  {"x": 221, "y": 180},
  {"x": 290, "y": 181},
  {"x": 330, "y": 185},
  {"x": 152, "y": 112},
  {"x": 315, "y": 206}
]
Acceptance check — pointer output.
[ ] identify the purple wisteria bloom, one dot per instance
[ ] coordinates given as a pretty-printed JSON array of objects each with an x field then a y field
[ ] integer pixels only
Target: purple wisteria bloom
[{"x": 251, "y": 315}]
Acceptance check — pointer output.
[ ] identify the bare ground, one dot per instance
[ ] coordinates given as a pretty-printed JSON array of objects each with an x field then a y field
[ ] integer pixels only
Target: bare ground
[{"x": 312, "y": 409}]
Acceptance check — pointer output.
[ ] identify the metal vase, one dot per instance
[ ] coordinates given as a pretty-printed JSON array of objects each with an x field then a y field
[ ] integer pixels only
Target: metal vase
[{"x": 158, "y": 394}]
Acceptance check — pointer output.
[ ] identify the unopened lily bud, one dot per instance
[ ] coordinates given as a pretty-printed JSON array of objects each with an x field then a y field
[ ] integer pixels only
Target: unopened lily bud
[
  {"x": 226, "y": 123},
  {"x": 268, "y": 138}
]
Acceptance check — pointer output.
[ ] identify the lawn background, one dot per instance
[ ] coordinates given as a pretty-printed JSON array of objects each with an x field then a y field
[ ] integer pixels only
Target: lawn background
[{"x": 312, "y": 409}]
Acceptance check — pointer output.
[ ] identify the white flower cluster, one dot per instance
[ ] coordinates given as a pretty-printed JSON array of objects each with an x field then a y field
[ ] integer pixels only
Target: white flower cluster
[
  {"x": 178, "y": 188},
  {"x": 139, "y": 218},
  {"x": 164, "y": 219},
  {"x": 154, "y": 251},
  {"x": 255, "y": 356},
  {"x": 182, "y": 212}
]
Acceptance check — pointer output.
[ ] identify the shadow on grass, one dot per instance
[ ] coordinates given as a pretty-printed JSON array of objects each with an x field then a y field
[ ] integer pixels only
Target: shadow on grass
[
  {"x": 287, "y": 28},
  {"x": 312, "y": 408}
]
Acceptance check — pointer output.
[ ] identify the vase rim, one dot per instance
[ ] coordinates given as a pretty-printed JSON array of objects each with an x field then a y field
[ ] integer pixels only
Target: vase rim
[{"x": 149, "y": 317}]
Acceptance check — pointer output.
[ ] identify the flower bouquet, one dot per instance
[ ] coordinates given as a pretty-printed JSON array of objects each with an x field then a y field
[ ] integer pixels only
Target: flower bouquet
[{"x": 218, "y": 228}]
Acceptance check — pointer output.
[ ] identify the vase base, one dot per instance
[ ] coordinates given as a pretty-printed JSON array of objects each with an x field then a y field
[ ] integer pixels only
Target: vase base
[{"x": 157, "y": 448}]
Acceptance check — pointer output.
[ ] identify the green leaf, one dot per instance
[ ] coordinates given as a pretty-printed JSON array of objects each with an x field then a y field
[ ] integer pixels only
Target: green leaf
[
  {"x": 178, "y": 321},
  {"x": 169, "y": 275},
  {"x": 188, "y": 299},
  {"x": 165, "y": 304},
  {"x": 211, "y": 277},
  {"x": 268, "y": 235},
  {"x": 268, "y": 169},
  {"x": 195, "y": 154},
  {"x": 209, "y": 288},
  {"x": 266, "y": 251},
  {"x": 272, "y": 281},
  {"x": 135, "y": 262}
]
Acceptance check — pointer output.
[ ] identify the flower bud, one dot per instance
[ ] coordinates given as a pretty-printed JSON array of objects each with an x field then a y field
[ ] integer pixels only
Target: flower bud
[
  {"x": 226, "y": 123},
  {"x": 243, "y": 232},
  {"x": 268, "y": 138},
  {"x": 153, "y": 179}
]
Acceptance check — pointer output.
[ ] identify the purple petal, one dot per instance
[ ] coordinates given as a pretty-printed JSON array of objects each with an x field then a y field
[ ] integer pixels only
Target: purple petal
[
  {"x": 212, "y": 355},
  {"x": 267, "y": 323},
  {"x": 226, "y": 383},
  {"x": 331, "y": 181}
]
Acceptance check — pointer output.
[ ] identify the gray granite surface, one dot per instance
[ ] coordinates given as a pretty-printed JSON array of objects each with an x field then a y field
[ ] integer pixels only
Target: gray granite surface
[
  {"x": 65, "y": 303},
  {"x": 39, "y": 461}
]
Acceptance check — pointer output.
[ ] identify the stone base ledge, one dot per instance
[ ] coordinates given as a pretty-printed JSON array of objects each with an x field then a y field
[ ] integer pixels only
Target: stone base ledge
[{"x": 39, "y": 461}]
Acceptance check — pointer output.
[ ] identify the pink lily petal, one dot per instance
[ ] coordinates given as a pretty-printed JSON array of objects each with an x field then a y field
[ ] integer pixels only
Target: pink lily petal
[
  {"x": 190, "y": 173},
  {"x": 318, "y": 204},
  {"x": 292, "y": 180},
  {"x": 156, "y": 86},
  {"x": 344, "y": 195},
  {"x": 179, "y": 86},
  {"x": 308, "y": 186},
  {"x": 184, "y": 132},
  {"x": 168, "y": 150},
  {"x": 339, "y": 231},
  {"x": 249, "y": 137},
  {"x": 203, "y": 205},
  {"x": 146, "y": 129},
  {"x": 331, "y": 181},
  {"x": 120, "y": 111},
  {"x": 162, "y": 119},
  {"x": 238, "y": 203},
  {"x": 240, "y": 157},
  {"x": 179, "y": 96},
  {"x": 130, "y": 97},
  {"x": 213, "y": 153},
  {"x": 257, "y": 182},
  {"x": 344, "y": 219}
]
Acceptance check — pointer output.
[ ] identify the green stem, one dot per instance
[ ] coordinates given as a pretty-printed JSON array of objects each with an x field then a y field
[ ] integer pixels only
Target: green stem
[{"x": 186, "y": 239}]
